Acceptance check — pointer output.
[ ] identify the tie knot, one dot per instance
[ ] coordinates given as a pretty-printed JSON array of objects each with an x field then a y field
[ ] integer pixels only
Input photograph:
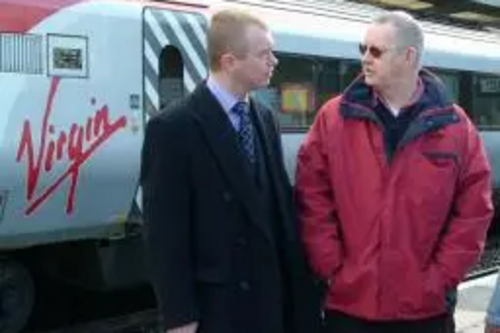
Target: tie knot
[{"x": 240, "y": 108}]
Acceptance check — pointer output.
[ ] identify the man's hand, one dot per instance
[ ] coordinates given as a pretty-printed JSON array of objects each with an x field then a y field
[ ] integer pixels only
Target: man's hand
[
  {"x": 190, "y": 328},
  {"x": 492, "y": 329}
]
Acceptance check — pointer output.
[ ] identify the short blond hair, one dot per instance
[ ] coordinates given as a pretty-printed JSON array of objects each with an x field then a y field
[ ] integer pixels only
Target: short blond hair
[{"x": 226, "y": 34}]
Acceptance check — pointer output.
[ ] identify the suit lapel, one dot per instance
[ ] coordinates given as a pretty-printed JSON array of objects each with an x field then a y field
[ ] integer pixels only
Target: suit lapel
[
  {"x": 221, "y": 140},
  {"x": 265, "y": 131}
]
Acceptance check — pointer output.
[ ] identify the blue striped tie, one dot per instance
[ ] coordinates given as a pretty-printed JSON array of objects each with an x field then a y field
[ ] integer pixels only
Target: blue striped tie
[{"x": 245, "y": 133}]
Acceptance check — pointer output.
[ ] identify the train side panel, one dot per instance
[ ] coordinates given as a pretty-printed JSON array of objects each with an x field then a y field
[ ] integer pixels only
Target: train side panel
[{"x": 71, "y": 124}]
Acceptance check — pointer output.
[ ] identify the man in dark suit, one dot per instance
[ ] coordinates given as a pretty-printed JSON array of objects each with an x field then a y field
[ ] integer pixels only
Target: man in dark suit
[{"x": 221, "y": 235}]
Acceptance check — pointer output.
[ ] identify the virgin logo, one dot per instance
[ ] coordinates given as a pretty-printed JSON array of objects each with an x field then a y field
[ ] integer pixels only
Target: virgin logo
[{"x": 75, "y": 146}]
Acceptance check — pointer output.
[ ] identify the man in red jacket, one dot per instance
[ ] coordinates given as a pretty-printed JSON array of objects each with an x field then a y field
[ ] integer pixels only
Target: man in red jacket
[{"x": 393, "y": 191}]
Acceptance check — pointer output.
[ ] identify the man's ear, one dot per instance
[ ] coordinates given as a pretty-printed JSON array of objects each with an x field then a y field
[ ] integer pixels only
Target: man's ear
[{"x": 227, "y": 61}]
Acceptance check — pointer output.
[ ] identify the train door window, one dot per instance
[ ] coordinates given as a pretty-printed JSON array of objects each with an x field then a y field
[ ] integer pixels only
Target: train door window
[
  {"x": 486, "y": 99},
  {"x": 171, "y": 76},
  {"x": 298, "y": 88}
]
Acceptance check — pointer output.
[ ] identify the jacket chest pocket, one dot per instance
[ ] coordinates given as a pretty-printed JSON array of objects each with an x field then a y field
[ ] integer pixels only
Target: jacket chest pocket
[
  {"x": 435, "y": 178},
  {"x": 438, "y": 168},
  {"x": 432, "y": 191},
  {"x": 439, "y": 154},
  {"x": 442, "y": 160}
]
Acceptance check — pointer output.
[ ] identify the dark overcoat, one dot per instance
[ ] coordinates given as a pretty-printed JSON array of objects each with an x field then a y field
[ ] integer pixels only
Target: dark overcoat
[{"x": 214, "y": 255}]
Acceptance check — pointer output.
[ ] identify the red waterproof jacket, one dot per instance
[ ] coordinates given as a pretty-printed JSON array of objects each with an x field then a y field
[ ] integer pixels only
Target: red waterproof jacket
[{"x": 391, "y": 236}]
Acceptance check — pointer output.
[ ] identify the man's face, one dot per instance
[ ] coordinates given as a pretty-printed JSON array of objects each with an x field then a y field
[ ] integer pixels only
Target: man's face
[
  {"x": 383, "y": 63},
  {"x": 255, "y": 68}
]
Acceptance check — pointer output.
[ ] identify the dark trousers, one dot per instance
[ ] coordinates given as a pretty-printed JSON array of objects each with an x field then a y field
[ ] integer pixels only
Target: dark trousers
[{"x": 338, "y": 322}]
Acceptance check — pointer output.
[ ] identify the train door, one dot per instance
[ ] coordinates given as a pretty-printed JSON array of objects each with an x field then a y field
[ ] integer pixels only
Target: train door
[
  {"x": 174, "y": 61},
  {"x": 174, "y": 56}
]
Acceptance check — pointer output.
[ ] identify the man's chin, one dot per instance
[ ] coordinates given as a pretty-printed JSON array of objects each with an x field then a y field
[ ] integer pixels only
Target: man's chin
[
  {"x": 369, "y": 81},
  {"x": 261, "y": 84}
]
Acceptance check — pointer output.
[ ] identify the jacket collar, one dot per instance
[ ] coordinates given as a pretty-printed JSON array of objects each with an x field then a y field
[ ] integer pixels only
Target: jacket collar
[
  {"x": 433, "y": 96},
  {"x": 435, "y": 108}
]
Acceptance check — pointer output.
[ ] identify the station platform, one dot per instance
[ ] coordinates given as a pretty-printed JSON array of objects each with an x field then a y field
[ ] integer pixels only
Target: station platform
[{"x": 473, "y": 299}]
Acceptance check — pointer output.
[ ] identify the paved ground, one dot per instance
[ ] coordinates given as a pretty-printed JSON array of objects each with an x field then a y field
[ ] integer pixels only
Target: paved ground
[{"x": 473, "y": 300}]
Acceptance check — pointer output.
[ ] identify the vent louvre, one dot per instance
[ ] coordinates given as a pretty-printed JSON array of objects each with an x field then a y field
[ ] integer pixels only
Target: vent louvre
[{"x": 21, "y": 53}]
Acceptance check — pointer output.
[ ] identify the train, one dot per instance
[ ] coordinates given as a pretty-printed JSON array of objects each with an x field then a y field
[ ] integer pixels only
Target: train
[{"x": 79, "y": 80}]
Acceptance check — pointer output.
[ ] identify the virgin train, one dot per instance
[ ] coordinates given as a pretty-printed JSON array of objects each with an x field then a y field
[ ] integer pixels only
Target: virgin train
[{"x": 79, "y": 80}]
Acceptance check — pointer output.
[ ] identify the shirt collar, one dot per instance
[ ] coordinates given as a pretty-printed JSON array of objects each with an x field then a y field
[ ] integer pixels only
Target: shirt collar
[
  {"x": 226, "y": 98},
  {"x": 415, "y": 97}
]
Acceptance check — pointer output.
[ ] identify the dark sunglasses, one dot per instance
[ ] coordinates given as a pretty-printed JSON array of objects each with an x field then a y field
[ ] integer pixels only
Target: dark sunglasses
[{"x": 375, "y": 52}]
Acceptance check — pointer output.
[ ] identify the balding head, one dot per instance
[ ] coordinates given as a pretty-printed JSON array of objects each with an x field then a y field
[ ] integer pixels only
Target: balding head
[{"x": 408, "y": 32}]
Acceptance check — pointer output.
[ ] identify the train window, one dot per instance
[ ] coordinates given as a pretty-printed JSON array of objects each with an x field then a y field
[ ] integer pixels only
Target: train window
[
  {"x": 477, "y": 93},
  {"x": 302, "y": 84},
  {"x": 349, "y": 70},
  {"x": 295, "y": 82},
  {"x": 298, "y": 88},
  {"x": 452, "y": 82},
  {"x": 328, "y": 80},
  {"x": 486, "y": 99}
]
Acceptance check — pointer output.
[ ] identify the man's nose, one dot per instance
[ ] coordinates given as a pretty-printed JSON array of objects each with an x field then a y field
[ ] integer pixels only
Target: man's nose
[
  {"x": 365, "y": 57},
  {"x": 274, "y": 60}
]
